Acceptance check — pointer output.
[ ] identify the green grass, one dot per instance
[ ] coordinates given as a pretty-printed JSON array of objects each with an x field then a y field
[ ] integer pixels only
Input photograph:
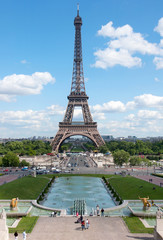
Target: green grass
[
  {"x": 23, "y": 188},
  {"x": 77, "y": 149},
  {"x": 136, "y": 226},
  {"x": 130, "y": 188},
  {"x": 26, "y": 223}
]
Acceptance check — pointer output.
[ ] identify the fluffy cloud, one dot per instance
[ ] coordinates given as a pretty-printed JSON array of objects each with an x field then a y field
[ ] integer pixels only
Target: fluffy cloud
[
  {"x": 112, "y": 106},
  {"x": 146, "y": 114},
  {"x": 158, "y": 61},
  {"x": 124, "y": 44},
  {"x": 147, "y": 100},
  {"x": 156, "y": 79},
  {"x": 56, "y": 110},
  {"x": 159, "y": 27},
  {"x": 110, "y": 57},
  {"x": 14, "y": 85}
]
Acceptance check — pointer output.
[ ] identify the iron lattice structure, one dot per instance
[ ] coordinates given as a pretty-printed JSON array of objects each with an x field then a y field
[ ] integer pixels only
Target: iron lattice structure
[{"x": 77, "y": 98}]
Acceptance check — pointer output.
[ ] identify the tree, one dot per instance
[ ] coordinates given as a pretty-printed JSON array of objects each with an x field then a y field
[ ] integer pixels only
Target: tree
[
  {"x": 135, "y": 161},
  {"x": 120, "y": 157},
  {"x": 103, "y": 149},
  {"x": 24, "y": 163},
  {"x": 10, "y": 160}
]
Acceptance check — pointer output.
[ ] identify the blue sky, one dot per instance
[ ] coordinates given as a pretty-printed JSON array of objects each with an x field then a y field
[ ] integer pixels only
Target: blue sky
[{"x": 122, "y": 44}]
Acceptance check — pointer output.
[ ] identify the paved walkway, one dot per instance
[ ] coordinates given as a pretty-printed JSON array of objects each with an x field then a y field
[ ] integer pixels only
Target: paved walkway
[
  {"x": 155, "y": 180},
  {"x": 7, "y": 178},
  {"x": 64, "y": 228}
]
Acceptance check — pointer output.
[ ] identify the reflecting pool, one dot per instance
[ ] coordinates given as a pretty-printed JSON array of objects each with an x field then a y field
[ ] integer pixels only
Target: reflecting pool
[{"x": 65, "y": 190}]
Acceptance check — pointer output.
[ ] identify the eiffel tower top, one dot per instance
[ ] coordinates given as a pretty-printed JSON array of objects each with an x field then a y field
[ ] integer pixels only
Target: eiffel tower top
[{"x": 78, "y": 85}]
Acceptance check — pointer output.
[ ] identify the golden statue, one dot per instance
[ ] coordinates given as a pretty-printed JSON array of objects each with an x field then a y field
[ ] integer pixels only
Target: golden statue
[
  {"x": 13, "y": 203},
  {"x": 145, "y": 202}
]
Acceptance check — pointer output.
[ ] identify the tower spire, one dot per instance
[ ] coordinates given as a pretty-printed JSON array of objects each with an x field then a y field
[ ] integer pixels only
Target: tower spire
[
  {"x": 78, "y": 86},
  {"x": 78, "y": 9}
]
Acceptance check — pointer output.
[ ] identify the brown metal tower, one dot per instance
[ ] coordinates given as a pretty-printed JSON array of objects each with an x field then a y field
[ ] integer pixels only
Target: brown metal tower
[{"x": 77, "y": 98}]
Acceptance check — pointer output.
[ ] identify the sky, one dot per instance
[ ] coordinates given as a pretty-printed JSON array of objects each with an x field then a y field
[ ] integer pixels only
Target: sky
[{"x": 122, "y": 43}]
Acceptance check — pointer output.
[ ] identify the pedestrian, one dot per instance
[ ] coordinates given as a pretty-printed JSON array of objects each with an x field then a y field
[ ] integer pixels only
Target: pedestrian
[
  {"x": 83, "y": 224},
  {"x": 102, "y": 212},
  {"x": 77, "y": 214},
  {"x": 24, "y": 235},
  {"x": 81, "y": 218},
  {"x": 98, "y": 210},
  {"x": 87, "y": 224},
  {"x": 16, "y": 235}
]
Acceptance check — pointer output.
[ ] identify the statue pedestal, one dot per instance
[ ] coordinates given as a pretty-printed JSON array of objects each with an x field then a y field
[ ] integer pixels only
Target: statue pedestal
[{"x": 3, "y": 227}]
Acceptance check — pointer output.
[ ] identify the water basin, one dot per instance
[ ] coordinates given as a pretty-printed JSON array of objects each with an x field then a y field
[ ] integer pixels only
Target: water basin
[{"x": 65, "y": 190}]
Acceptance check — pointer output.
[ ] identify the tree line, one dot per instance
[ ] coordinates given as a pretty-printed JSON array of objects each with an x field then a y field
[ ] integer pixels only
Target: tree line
[{"x": 26, "y": 147}]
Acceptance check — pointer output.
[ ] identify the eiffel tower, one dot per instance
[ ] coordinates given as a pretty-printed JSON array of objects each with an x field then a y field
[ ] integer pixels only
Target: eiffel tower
[{"x": 77, "y": 98}]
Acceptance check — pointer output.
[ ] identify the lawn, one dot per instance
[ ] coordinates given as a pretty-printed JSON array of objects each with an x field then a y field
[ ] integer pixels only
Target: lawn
[
  {"x": 136, "y": 226},
  {"x": 131, "y": 188},
  {"x": 128, "y": 187},
  {"x": 26, "y": 223},
  {"x": 23, "y": 188}
]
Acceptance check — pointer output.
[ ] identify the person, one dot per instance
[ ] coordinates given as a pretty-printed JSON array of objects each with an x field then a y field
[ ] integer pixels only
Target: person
[
  {"x": 87, "y": 224},
  {"x": 77, "y": 214},
  {"x": 102, "y": 212},
  {"x": 83, "y": 224},
  {"x": 52, "y": 214},
  {"x": 24, "y": 235},
  {"x": 159, "y": 213},
  {"x": 98, "y": 209},
  {"x": 81, "y": 218},
  {"x": 16, "y": 235}
]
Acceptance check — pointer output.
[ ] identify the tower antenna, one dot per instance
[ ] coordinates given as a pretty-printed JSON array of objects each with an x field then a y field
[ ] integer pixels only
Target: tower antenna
[{"x": 78, "y": 9}]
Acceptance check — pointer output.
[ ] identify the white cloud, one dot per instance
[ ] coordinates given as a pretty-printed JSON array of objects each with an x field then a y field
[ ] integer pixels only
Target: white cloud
[
  {"x": 110, "y": 57},
  {"x": 159, "y": 27},
  {"x": 158, "y": 61},
  {"x": 98, "y": 116},
  {"x": 156, "y": 79},
  {"x": 14, "y": 85},
  {"x": 23, "y": 61},
  {"x": 148, "y": 100},
  {"x": 146, "y": 114},
  {"x": 56, "y": 110},
  {"x": 123, "y": 45},
  {"x": 112, "y": 106}
]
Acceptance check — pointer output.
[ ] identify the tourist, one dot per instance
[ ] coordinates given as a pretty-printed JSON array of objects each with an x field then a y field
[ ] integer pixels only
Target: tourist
[
  {"x": 24, "y": 235},
  {"x": 77, "y": 214},
  {"x": 159, "y": 213},
  {"x": 81, "y": 218},
  {"x": 16, "y": 235},
  {"x": 83, "y": 224},
  {"x": 98, "y": 210},
  {"x": 87, "y": 224},
  {"x": 102, "y": 212}
]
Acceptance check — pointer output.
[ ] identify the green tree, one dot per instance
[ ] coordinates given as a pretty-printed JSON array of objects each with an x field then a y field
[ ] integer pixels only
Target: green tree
[
  {"x": 135, "y": 161},
  {"x": 120, "y": 157},
  {"x": 103, "y": 149},
  {"x": 10, "y": 160},
  {"x": 24, "y": 163}
]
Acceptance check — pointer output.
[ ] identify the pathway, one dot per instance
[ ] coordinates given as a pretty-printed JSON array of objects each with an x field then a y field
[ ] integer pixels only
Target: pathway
[
  {"x": 64, "y": 228},
  {"x": 155, "y": 180},
  {"x": 7, "y": 178}
]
